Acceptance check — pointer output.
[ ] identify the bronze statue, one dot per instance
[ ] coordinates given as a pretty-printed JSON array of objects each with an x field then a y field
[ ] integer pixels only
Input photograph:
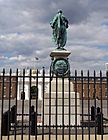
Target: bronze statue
[{"x": 59, "y": 25}]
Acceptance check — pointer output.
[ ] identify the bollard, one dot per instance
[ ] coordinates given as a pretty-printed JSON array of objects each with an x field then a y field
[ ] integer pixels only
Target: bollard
[
  {"x": 92, "y": 113},
  {"x": 33, "y": 123},
  {"x": 13, "y": 114},
  {"x": 5, "y": 126},
  {"x": 100, "y": 128},
  {"x": 31, "y": 111},
  {"x": 98, "y": 110},
  {"x": 23, "y": 96}
]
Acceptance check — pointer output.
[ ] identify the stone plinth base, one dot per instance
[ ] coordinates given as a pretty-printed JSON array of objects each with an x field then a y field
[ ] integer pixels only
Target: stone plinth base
[
  {"x": 59, "y": 106},
  {"x": 60, "y": 54}
]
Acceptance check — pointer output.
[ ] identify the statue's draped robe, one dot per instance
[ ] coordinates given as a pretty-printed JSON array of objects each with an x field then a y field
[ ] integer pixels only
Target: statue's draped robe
[{"x": 59, "y": 30}]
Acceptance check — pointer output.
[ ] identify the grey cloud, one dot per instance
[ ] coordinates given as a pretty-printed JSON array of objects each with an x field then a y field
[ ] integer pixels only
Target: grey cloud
[
  {"x": 100, "y": 5},
  {"x": 73, "y": 10},
  {"x": 41, "y": 11}
]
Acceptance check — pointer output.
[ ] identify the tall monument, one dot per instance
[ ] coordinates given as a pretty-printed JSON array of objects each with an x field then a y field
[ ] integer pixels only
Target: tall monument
[
  {"x": 60, "y": 65},
  {"x": 61, "y": 97}
]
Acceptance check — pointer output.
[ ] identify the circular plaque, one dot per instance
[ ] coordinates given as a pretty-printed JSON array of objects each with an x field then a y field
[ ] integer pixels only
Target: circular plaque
[{"x": 60, "y": 66}]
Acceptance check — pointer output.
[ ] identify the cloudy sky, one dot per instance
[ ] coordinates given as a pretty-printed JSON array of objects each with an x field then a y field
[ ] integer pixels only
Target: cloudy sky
[{"x": 25, "y": 33}]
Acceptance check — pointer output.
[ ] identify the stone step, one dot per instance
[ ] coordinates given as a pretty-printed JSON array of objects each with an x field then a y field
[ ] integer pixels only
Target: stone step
[
  {"x": 72, "y": 95},
  {"x": 60, "y": 102},
  {"x": 60, "y": 109},
  {"x": 60, "y": 119}
]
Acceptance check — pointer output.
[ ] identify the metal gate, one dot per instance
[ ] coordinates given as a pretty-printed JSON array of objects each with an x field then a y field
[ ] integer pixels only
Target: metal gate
[{"x": 39, "y": 105}]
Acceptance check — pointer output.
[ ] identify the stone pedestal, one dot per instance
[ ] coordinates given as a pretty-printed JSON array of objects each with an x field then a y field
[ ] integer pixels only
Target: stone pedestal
[
  {"x": 61, "y": 103},
  {"x": 58, "y": 94}
]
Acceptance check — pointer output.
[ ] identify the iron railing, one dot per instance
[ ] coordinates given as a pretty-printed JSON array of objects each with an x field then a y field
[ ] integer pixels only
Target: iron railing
[{"x": 68, "y": 107}]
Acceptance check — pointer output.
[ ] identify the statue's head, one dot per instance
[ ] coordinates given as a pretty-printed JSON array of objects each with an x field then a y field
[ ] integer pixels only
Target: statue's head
[{"x": 60, "y": 11}]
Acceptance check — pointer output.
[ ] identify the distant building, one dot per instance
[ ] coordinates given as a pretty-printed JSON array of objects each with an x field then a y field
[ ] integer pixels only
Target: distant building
[
  {"x": 98, "y": 90},
  {"x": 8, "y": 86},
  {"x": 13, "y": 86},
  {"x": 25, "y": 84}
]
